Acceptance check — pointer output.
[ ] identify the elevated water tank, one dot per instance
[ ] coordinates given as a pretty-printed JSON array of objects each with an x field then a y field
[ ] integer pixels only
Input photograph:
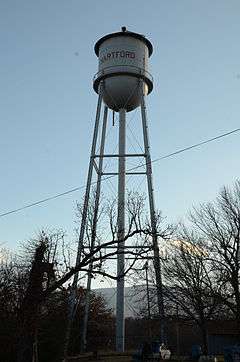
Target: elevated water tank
[{"x": 123, "y": 69}]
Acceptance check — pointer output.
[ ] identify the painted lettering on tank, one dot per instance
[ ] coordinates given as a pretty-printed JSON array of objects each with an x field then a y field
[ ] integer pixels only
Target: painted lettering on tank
[{"x": 117, "y": 54}]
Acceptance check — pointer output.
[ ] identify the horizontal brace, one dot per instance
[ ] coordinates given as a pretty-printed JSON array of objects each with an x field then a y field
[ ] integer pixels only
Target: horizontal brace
[
  {"x": 136, "y": 258},
  {"x": 127, "y": 173},
  {"x": 109, "y": 173},
  {"x": 122, "y": 155},
  {"x": 129, "y": 247},
  {"x": 125, "y": 247}
]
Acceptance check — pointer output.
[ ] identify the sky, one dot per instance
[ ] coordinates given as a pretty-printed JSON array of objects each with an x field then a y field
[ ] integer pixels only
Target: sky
[{"x": 47, "y": 104}]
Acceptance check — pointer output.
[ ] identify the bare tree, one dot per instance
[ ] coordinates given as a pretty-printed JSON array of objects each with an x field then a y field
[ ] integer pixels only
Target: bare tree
[
  {"x": 40, "y": 274},
  {"x": 10, "y": 295},
  {"x": 51, "y": 267},
  {"x": 189, "y": 282},
  {"x": 137, "y": 240},
  {"x": 28, "y": 327},
  {"x": 218, "y": 223}
]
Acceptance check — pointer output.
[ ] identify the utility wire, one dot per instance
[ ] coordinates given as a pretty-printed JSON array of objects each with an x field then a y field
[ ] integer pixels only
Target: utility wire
[
  {"x": 197, "y": 145},
  {"x": 42, "y": 201},
  {"x": 131, "y": 169},
  {"x": 186, "y": 149}
]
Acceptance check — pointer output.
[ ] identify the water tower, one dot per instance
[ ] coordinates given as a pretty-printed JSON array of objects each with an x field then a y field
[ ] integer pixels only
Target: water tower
[{"x": 122, "y": 83}]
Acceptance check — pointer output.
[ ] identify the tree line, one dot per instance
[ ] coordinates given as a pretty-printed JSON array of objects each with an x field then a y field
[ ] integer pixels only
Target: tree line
[{"x": 200, "y": 263}]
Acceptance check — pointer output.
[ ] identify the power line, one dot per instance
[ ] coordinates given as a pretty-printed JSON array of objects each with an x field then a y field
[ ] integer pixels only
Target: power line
[
  {"x": 111, "y": 176},
  {"x": 187, "y": 148},
  {"x": 197, "y": 145},
  {"x": 42, "y": 201}
]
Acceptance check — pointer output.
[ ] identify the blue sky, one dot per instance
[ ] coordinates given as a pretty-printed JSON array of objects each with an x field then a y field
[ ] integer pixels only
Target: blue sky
[{"x": 48, "y": 105}]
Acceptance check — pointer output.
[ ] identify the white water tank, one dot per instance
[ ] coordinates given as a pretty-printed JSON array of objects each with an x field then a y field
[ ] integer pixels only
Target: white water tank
[{"x": 123, "y": 69}]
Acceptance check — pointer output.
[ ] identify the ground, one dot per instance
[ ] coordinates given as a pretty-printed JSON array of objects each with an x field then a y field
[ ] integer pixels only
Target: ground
[{"x": 103, "y": 357}]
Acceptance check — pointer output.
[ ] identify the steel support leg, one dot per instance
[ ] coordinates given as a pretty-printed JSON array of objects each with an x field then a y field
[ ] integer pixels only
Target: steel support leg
[
  {"x": 156, "y": 257},
  {"x": 120, "y": 322},
  {"x": 94, "y": 231},
  {"x": 72, "y": 301}
]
